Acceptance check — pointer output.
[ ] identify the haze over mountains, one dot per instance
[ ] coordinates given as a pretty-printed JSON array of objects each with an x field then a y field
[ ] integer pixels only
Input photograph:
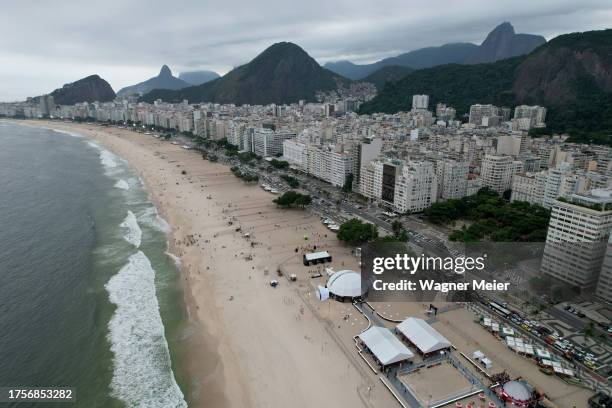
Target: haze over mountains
[
  {"x": 501, "y": 43},
  {"x": 198, "y": 77},
  {"x": 165, "y": 80}
]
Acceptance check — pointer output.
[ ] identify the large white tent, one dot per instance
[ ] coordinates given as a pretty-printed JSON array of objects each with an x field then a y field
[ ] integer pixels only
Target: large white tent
[
  {"x": 345, "y": 284},
  {"x": 422, "y": 335},
  {"x": 385, "y": 346}
]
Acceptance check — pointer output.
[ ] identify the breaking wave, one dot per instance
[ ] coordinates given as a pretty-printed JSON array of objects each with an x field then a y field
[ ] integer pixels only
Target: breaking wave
[
  {"x": 142, "y": 375},
  {"x": 134, "y": 233}
]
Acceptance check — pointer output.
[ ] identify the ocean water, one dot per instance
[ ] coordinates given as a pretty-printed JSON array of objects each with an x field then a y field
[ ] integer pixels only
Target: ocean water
[{"x": 89, "y": 296}]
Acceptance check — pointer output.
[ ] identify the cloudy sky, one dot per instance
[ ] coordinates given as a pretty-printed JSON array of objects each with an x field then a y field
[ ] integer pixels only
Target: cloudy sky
[{"x": 44, "y": 44}]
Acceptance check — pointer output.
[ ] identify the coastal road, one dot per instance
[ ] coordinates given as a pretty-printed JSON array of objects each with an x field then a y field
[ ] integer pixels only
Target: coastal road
[{"x": 576, "y": 323}]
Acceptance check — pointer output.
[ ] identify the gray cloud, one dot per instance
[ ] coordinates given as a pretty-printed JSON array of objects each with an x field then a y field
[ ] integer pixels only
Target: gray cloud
[{"x": 46, "y": 44}]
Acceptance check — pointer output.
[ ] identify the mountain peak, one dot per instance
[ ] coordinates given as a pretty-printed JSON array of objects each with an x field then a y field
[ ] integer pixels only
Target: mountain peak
[
  {"x": 165, "y": 71},
  {"x": 164, "y": 80},
  {"x": 89, "y": 89},
  {"x": 283, "y": 49},
  {"x": 285, "y": 46},
  {"x": 503, "y": 42},
  {"x": 504, "y": 28},
  {"x": 282, "y": 73}
]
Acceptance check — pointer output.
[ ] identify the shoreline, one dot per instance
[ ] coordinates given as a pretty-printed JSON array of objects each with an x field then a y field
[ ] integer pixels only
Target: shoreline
[{"x": 242, "y": 348}]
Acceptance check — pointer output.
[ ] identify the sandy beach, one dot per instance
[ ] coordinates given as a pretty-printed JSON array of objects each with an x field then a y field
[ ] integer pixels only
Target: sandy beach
[{"x": 250, "y": 345}]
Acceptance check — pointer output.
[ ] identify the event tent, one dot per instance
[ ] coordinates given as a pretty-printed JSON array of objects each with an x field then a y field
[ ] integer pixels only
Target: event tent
[
  {"x": 422, "y": 335},
  {"x": 387, "y": 348}
]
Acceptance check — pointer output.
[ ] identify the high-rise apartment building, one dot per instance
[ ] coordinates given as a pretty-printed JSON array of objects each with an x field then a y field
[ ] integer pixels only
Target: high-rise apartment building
[
  {"x": 535, "y": 116},
  {"x": 420, "y": 102},
  {"x": 452, "y": 177},
  {"x": 296, "y": 153},
  {"x": 46, "y": 105},
  {"x": 577, "y": 238},
  {"x": 403, "y": 186},
  {"x": 604, "y": 283},
  {"x": 554, "y": 180},
  {"x": 268, "y": 142},
  {"x": 363, "y": 153},
  {"x": 497, "y": 172},
  {"x": 479, "y": 112},
  {"x": 529, "y": 187},
  {"x": 324, "y": 162}
]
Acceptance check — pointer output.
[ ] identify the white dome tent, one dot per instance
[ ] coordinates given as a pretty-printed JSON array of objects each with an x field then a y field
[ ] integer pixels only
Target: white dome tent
[
  {"x": 517, "y": 392},
  {"x": 345, "y": 285}
]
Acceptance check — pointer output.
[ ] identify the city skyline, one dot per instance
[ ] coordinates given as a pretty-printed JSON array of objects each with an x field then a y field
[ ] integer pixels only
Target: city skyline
[{"x": 199, "y": 36}]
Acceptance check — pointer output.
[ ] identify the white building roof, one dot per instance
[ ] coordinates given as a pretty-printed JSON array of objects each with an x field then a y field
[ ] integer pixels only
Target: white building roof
[
  {"x": 387, "y": 348},
  {"x": 316, "y": 255},
  {"x": 542, "y": 353},
  {"x": 345, "y": 283},
  {"x": 426, "y": 338}
]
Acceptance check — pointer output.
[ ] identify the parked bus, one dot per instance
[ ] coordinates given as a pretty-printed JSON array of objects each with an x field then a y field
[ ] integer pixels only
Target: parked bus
[{"x": 499, "y": 309}]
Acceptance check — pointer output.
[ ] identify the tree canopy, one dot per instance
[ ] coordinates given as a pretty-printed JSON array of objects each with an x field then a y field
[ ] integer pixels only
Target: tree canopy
[
  {"x": 292, "y": 181},
  {"x": 279, "y": 164},
  {"x": 293, "y": 199},
  {"x": 355, "y": 232},
  {"x": 492, "y": 218}
]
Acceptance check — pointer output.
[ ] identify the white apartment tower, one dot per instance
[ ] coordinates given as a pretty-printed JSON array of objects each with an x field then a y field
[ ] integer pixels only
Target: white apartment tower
[
  {"x": 604, "y": 284},
  {"x": 267, "y": 142},
  {"x": 363, "y": 153},
  {"x": 535, "y": 116},
  {"x": 416, "y": 187},
  {"x": 529, "y": 187},
  {"x": 497, "y": 172},
  {"x": 420, "y": 102},
  {"x": 296, "y": 153},
  {"x": 577, "y": 238},
  {"x": 325, "y": 163},
  {"x": 452, "y": 178},
  {"x": 479, "y": 112},
  {"x": 555, "y": 178},
  {"x": 409, "y": 186}
]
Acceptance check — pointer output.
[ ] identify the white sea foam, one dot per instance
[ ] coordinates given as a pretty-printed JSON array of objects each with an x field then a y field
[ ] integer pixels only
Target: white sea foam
[
  {"x": 122, "y": 184},
  {"x": 94, "y": 144},
  {"x": 152, "y": 218},
  {"x": 134, "y": 233},
  {"x": 142, "y": 375},
  {"x": 175, "y": 259},
  {"x": 108, "y": 159},
  {"x": 67, "y": 132}
]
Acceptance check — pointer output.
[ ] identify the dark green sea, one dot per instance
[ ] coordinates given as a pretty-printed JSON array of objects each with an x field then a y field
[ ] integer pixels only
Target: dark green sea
[{"x": 89, "y": 298}]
